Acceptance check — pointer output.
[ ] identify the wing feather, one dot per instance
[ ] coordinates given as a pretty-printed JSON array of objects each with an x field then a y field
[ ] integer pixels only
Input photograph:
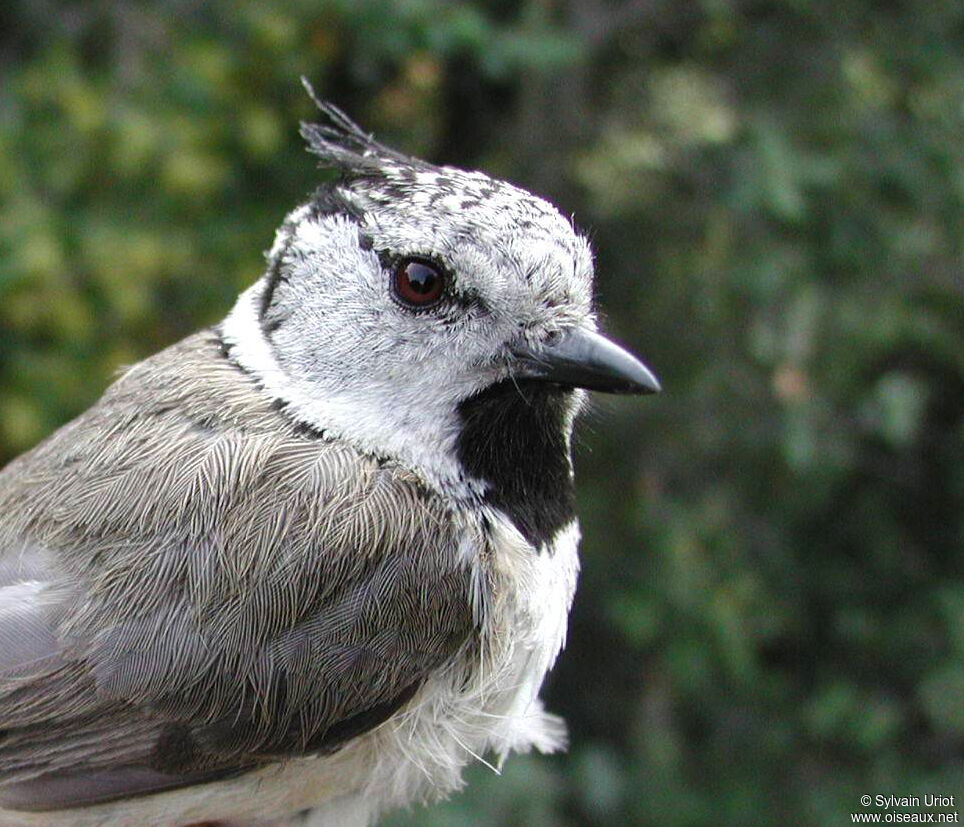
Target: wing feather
[{"x": 183, "y": 597}]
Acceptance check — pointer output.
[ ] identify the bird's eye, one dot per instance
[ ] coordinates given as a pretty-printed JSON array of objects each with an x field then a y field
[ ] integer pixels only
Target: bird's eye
[{"x": 418, "y": 283}]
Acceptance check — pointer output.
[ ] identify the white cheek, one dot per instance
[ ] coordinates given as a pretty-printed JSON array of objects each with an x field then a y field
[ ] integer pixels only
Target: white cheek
[{"x": 403, "y": 414}]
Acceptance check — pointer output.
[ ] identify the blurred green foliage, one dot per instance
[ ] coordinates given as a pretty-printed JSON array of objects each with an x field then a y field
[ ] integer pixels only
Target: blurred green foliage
[{"x": 771, "y": 615}]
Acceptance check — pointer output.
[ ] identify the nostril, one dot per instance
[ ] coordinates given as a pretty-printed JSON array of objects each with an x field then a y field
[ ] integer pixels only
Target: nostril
[{"x": 552, "y": 337}]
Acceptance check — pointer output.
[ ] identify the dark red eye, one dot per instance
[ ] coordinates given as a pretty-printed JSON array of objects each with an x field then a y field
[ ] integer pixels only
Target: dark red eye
[{"x": 418, "y": 283}]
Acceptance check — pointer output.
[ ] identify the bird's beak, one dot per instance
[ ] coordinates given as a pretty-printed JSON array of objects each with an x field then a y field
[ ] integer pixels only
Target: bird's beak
[{"x": 581, "y": 358}]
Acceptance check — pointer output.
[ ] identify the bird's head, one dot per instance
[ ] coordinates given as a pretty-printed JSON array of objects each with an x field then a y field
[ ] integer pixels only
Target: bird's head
[{"x": 403, "y": 291}]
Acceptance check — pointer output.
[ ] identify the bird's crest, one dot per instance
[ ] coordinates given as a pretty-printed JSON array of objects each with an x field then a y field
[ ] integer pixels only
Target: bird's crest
[{"x": 343, "y": 145}]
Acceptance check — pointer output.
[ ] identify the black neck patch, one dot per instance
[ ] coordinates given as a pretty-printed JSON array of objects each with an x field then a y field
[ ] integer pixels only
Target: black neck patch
[{"x": 513, "y": 438}]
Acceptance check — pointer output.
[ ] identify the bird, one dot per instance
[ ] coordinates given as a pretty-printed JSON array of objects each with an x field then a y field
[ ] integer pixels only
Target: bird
[{"x": 305, "y": 565}]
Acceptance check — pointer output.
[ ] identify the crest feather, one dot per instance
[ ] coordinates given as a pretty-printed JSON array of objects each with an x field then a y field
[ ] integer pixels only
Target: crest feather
[{"x": 340, "y": 143}]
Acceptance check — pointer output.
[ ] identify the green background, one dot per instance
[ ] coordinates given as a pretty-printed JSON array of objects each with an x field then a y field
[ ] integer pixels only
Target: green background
[{"x": 771, "y": 615}]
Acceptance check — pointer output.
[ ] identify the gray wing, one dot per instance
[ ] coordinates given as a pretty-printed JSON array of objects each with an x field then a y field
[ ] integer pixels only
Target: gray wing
[{"x": 183, "y": 598}]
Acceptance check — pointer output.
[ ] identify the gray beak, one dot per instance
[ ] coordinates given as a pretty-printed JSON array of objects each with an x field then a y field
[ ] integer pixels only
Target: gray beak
[{"x": 580, "y": 358}]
